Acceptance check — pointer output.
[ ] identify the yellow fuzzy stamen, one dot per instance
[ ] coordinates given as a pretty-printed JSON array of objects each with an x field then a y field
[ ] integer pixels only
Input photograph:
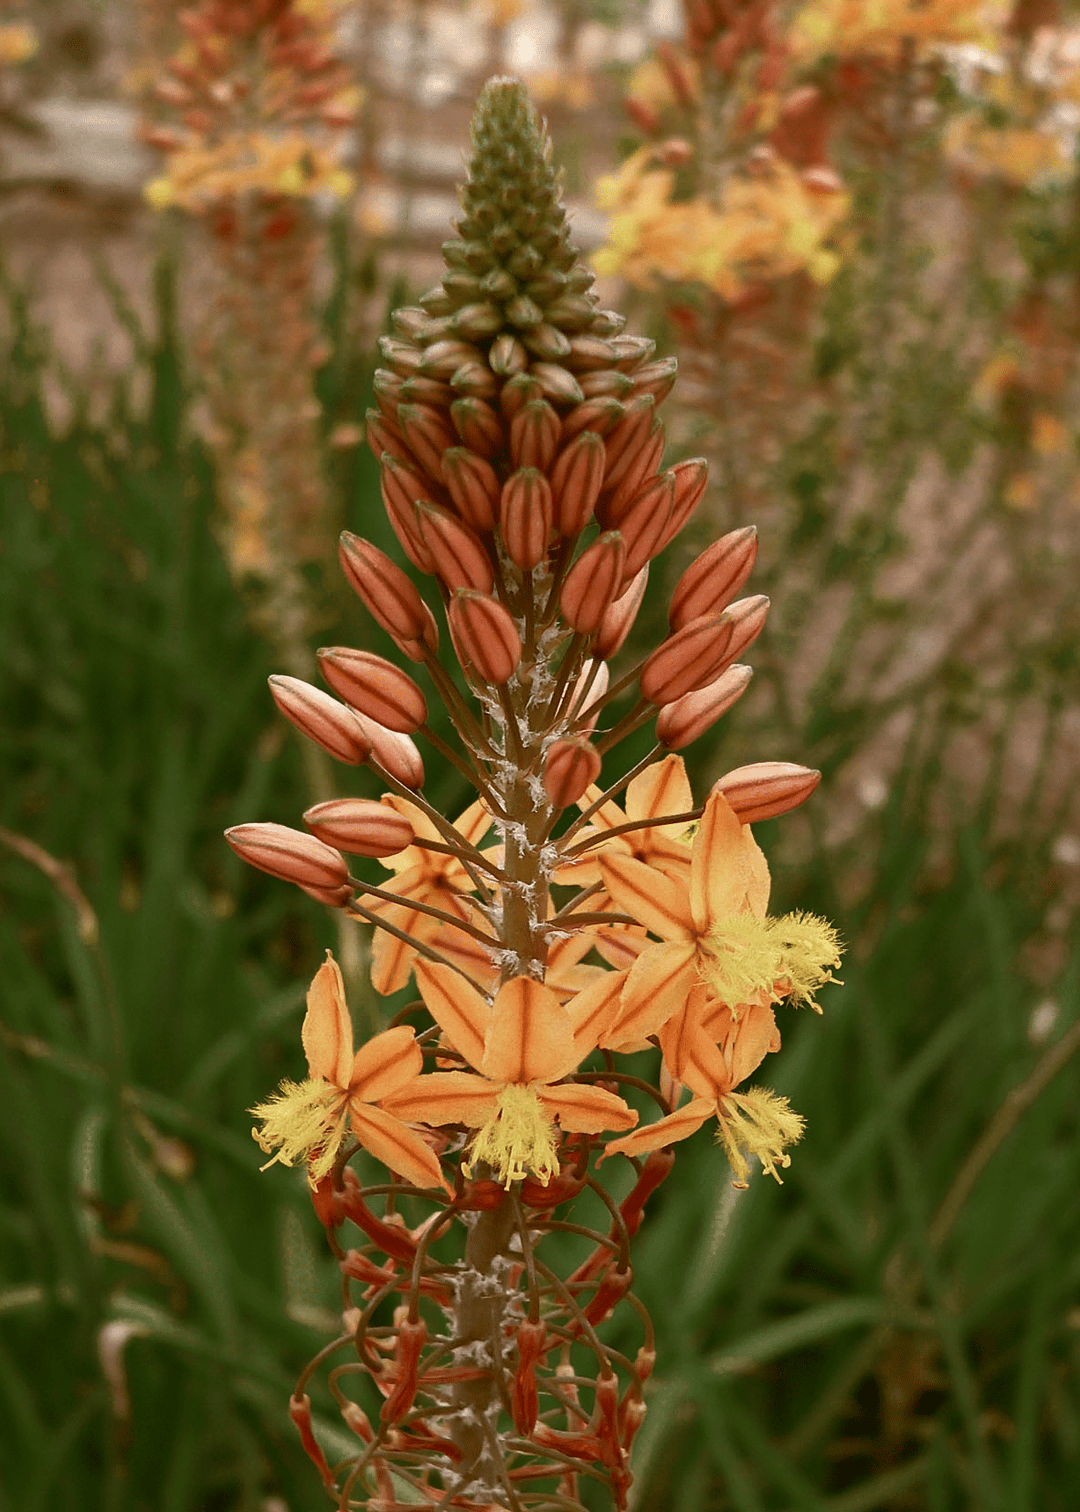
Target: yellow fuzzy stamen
[
  {"x": 300, "y": 1121},
  {"x": 760, "y": 1123},
  {"x": 518, "y": 1140},
  {"x": 787, "y": 957}
]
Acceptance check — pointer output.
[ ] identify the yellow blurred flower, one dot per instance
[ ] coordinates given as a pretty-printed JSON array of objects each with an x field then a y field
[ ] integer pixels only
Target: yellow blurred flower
[
  {"x": 845, "y": 27},
  {"x": 198, "y": 176},
  {"x": 18, "y": 41}
]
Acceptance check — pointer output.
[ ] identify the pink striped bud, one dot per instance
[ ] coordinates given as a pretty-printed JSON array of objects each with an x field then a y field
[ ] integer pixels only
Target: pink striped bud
[
  {"x": 375, "y": 687},
  {"x": 517, "y": 392},
  {"x": 322, "y": 719},
  {"x": 628, "y": 437},
  {"x": 360, "y": 826},
  {"x": 426, "y": 434},
  {"x": 330, "y": 897},
  {"x": 534, "y": 435},
  {"x": 681, "y": 722},
  {"x": 457, "y": 553},
  {"x": 395, "y": 753},
  {"x": 766, "y": 788},
  {"x": 388, "y": 594},
  {"x": 427, "y": 391},
  {"x": 687, "y": 660},
  {"x": 747, "y": 618},
  {"x": 384, "y": 437},
  {"x": 576, "y": 480},
  {"x": 478, "y": 426},
  {"x": 417, "y": 649},
  {"x": 525, "y": 516},
  {"x": 590, "y": 587},
  {"x": 570, "y": 767},
  {"x": 601, "y": 415},
  {"x": 644, "y": 523},
  {"x": 619, "y": 619},
  {"x": 595, "y": 679},
  {"x": 486, "y": 634},
  {"x": 401, "y": 487},
  {"x": 631, "y": 472},
  {"x": 691, "y": 477},
  {"x": 474, "y": 380},
  {"x": 714, "y": 578},
  {"x": 402, "y": 356},
  {"x": 288, "y": 854},
  {"x": 656, "y": 378},
  {"x": 557, "y": 383},
  {"x": 443, "y": 358},
  {"x": 473, "y": 485},
  {"x": 387, "y": 389}
]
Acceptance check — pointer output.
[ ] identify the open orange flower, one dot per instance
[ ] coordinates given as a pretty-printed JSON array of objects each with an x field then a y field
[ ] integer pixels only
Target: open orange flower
[
  {"x": 713, "y": 931},
  {"x": 308, "y": 1120},
  {"x": 429, "y": 877},
  {"x": 711, "y": 1050},
  {"x": 522, "y": 1044}
]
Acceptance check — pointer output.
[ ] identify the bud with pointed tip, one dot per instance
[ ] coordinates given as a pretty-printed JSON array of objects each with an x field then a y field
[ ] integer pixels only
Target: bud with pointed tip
[
  {"x": 656, "y": 378},
  {"x": 478, "y": 426},
  {"x": 473, "y": 485},
  {"x": 384, "y": 437},
  {"x": 680, "y": 723},
  {"x": 766, "y": 788},
  {"x": 619, "y": 619},
  {"x": 401, "y": 487},
  {"x": 576, "y": 480},
  {"x": 322, "y": 719},
  {"x": 375, "y": 687},
  {"x": 601, "y": 415},
  {"x": 687, "y": 660},
  {"x": 571, "y": 766},
  {"x": 457, "y": 553},
  {"x": 289, "y": 854},
  {"x": 590, "y": 587},
  {"x": 426, "y": 434},
  {"x": 691, "y": 477},
  {"x": 632, "y": 474},
  {"x": 644, "y": 523},
  {"x": 534, "y": 435},
  {"x": 485, "y": 632},
  {"x": 714, "y": 578},
  {"x": 595, "y": 678},
  {"x": 747, "y": 618},
  {"x": 525, "y": 516},
  {"x": 394, "y": 752},
  {"x": 360, "y": 826},
  {"x": 389, "y": 595},
  {"x": 625, "y": 442}
]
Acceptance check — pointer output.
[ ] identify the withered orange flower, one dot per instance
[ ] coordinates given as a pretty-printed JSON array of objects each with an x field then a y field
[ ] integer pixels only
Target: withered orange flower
[
  {"x": 522, "y": 1044},
  {"x": 308, "y": 1120}
]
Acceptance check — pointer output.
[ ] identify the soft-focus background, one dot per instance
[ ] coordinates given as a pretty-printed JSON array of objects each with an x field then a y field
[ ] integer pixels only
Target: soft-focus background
[{"x": 858, "y": 228}]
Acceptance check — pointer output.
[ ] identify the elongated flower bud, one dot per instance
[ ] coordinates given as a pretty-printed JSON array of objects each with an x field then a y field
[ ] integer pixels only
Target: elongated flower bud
[
  {"x": 590, "y": 586},
  {"x": 714, "y": 578},
  {"x": 473, "y": 485},
  {"x": 375, "y": 687},
  {"x": 394, "y": 752},
  {"x": 322, "y": 719},
  {"x": 385, "y": 438},
  {"x": 766, "y": 788},
  {"x": 426, "y": 434},
  {"x": 289, "y": 854},
  {"x": 525, "y": 516},
  {"x": 633, "y": 475},
  {"x": 656, "y": 378},
  {"x": 747, "y": 618},
  {"x": 687, "y": 660},
  {"x": 401, "y": 487},
  {"x": 576, "y": 480},
  {"x": 590, "y": 687},
  {"x": 534, "y": 435},
  {"x": 389, "y": 595},
  {"x": 680, "y": 723},
  {"x": 601, "y": 415},
  {"x": 624, "y": 444},
  {"x": 478, "y": 426},
  {"x": 360, "y": 826},
  {"x": 619, "y": 619},
  {"x": 457, "y": 553},
  {"x": 486, "y": 634},
  {"x": 644, "y": 524},
  {"x": 570, "y": 767},
  {"x": 691, "y": 478}
]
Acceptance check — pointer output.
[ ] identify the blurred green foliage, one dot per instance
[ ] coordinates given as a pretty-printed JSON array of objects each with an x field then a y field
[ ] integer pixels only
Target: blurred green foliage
[{"x": 843, "y": 1342}]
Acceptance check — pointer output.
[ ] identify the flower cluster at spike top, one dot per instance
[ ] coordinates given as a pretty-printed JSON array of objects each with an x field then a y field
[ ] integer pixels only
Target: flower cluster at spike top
[{"x": 521, "y": 455}]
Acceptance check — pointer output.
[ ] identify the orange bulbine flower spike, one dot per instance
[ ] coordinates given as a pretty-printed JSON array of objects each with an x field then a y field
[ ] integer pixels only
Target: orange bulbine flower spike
[
  {"x": 713, "y": 928},
  {"x": 427, "y": 876},
  {"x": 522, "y": 1044},
  {"x": 308, "y": 1120}
]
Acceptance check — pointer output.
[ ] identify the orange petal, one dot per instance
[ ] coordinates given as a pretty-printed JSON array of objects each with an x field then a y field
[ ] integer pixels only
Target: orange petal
[
  {"x": 593, "y": 1011},
  {"x": 327, "y": 1031},
  {"x": 445, "y": 1097},
  {"x": 457, "y": 1008},
  {"x": 620, "y": 944},
  {"x": 662, "y": 788},
  {"x": 607, "y": 816},
  {"x": 397, "y": 1146},
  {"x": 691, "y": 1054},
  {"x": 391, "y": 958},
  {"x": 654, "y": 900},
  {"x": 665, "y": 1131},
  {"x": 755, "y": 1036},
  {"x": 582, "y": 1109},
  {"x": 474, "y": 823},
  {"x": 530, "y": 1037},
  {"x": 658, "y": 984},
  {"x": 385, "y": 1063},
  {"x": 728, "y": 871}
]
